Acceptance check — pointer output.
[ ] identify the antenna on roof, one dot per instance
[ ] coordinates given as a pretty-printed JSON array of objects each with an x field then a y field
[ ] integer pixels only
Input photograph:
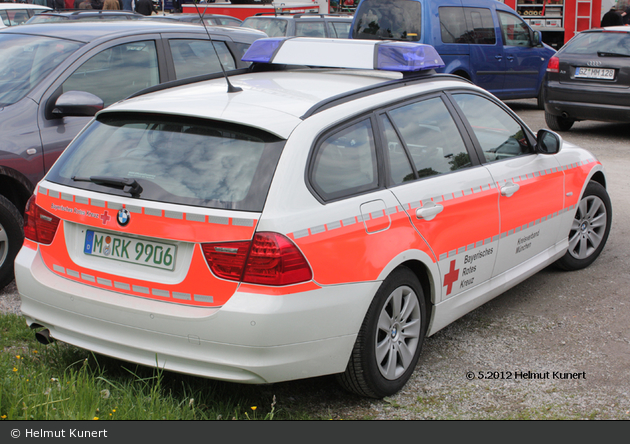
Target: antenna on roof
[{"x": 231, "y": 88}]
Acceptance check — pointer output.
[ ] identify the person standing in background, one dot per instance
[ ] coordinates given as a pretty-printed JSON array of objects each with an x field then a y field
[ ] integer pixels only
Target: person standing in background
[
  {"x": 144, "y": 7},
  {"x": 612, "y": 18},
  {"x": 111, "y": 5}
]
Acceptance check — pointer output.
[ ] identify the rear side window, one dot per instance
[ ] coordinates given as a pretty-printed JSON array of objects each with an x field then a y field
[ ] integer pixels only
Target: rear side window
[
  {"x": 310, "y": 29},
  {"x": 345, "y": 162},
  {"x": 431, "y": 137},
  {"x": 467, "y": 25},
  {"x": 198, "y": 57},
  {"x": 270, "y": 26},
  {"x": 176, "y": 160},
  {"x": 388, "y": 19},
  {"x": 339, "y": 30}
]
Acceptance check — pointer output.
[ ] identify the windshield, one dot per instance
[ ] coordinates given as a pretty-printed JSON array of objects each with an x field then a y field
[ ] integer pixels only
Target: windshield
[
  {"x": 26, "y": 60},
  {"x": 594, "y": 42},
  {"x": 388, "y": 19},
  {"x": 174, "y": 159}
]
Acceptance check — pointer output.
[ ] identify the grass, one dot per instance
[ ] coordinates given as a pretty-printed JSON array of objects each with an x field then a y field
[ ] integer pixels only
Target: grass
[{"x": 62, "y": 382}]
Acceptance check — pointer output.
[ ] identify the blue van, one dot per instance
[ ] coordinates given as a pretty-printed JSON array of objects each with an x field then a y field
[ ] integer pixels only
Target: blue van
[{"x": 484, "y": 41}]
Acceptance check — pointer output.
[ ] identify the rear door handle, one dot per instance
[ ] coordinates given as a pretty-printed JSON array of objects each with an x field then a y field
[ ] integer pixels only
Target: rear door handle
[
  {"x": 429, "y": 211},
  {"x": 510, "y": 58},
  {"x": 509, "y": 188}
]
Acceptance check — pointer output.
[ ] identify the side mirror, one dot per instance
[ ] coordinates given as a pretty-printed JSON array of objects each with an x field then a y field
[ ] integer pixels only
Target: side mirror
[
  {"x": 77, "y": 103},
  {"x": 548, "y": 142},
  {"x": 536, "y": 38}
]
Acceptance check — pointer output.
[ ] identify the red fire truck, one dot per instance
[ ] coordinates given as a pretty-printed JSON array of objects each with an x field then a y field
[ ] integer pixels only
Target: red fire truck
[
  {"x": 246, "y": 8},
  {"x": 558, "y": 20}
]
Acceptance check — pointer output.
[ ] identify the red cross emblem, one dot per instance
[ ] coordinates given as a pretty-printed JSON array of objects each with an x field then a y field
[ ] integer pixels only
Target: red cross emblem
[
  {"x": 451, "y": 277},
  {"x": 105, "y": 217}
]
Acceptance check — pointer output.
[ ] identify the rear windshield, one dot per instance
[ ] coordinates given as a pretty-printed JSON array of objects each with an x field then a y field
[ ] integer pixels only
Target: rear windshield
[
  {"x": 176, "y": 160},
  {"x": 26, "y": 60},
  {"x": 388, "y": 19},
  {"x": 594, "y": 42}
]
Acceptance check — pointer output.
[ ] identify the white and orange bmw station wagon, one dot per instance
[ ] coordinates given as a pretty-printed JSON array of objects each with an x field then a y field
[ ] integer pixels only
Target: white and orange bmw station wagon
[{"x": 321, "y": 212}]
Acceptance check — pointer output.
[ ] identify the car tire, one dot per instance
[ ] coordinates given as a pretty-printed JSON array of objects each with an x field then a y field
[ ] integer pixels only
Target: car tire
[
  {"x": 390, "y": 339},
  {"x": 558, "y": 123},
  {"x": 589, "y": 230},
  {"x": 540, "y": 100},
  {"x": 11, "y": 239}
]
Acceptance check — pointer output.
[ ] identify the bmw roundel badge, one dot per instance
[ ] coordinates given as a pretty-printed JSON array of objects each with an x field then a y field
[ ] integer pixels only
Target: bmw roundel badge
[{"x": 123, "y": 217}]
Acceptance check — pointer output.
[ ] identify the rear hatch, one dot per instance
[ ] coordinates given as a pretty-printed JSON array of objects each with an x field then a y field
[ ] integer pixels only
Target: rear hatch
[
  {"x": 597, "y": 64},
  {"x": 155, "y": 206}
]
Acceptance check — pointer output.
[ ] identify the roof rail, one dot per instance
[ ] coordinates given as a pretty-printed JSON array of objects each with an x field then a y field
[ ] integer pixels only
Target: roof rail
[{"x": 423, "y": 76}]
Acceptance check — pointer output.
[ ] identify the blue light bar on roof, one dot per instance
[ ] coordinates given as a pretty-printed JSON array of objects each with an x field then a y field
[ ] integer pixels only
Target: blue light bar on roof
[
  {"x": 345, "y": 53},
  {"x": 407, "y": 56},
  {"x": 263, "y": 50}
]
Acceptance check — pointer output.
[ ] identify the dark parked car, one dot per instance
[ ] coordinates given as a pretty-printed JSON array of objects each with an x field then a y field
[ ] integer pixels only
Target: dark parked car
[
  {"x": 301, "y": 25},
  {"x": 589, "y": 79},
  {"x": 209, "y": 19},
  {"x": 55, "y": 76},
  {"x": 89, "y": 15}
]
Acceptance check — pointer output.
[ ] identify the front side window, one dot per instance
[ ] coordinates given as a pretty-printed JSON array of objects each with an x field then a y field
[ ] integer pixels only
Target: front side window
[
  {"x": 431, "y": 137},
  {"x": 198, "y": 57},
  {"x": 388, "y": 19},
  {"x": 467, "y": 25},
  {"x": 499, "y": 135},
  {"x": 345, "y": 162},
  {"x": 26, "y": 61},
  {"x": 514, "y": 30},
  {"x": 176, "y": 160},
  {"x": 117, "y": 72}
]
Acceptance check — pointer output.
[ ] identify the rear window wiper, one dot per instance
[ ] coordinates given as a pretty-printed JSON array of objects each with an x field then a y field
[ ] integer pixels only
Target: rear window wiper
[
  {"x": 126, "y": 184},
  {"x": 611, "y": 54}
]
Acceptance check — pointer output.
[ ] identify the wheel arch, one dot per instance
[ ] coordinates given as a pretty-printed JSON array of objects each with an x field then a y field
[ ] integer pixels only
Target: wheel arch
[
  {"x": 427, "y": 272},
  {"x": 461, "y": 73},
  {"x": 599, "y": 177},
  {"x": 15, "y": 187}
]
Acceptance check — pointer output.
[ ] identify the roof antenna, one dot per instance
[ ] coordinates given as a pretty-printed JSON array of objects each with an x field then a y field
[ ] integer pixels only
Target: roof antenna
[{"x": 231, "y": 88}]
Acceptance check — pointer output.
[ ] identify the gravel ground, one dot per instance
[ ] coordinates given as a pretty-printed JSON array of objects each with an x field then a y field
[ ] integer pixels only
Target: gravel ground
[
  {"x": 9, "y": 299},
  {"x": 577, "y": 323}
]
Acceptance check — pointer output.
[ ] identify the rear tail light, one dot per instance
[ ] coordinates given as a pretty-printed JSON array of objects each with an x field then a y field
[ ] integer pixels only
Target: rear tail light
[
  {"x": 269, "y": 259},
  {"x": 553, "y": 65},
  {"x": 39, "y": 225}
]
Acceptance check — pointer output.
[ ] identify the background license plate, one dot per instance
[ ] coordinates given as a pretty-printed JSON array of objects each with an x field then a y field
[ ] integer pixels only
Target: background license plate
[
  {"x": 595, "y": 73},
  {"x": 127, "y": 249}
]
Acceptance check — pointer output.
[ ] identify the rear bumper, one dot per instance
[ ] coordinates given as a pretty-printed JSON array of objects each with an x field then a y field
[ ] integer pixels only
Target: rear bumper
[
  {"x": 582, "y": 102},
  {"x": 254, "y": 338}
]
